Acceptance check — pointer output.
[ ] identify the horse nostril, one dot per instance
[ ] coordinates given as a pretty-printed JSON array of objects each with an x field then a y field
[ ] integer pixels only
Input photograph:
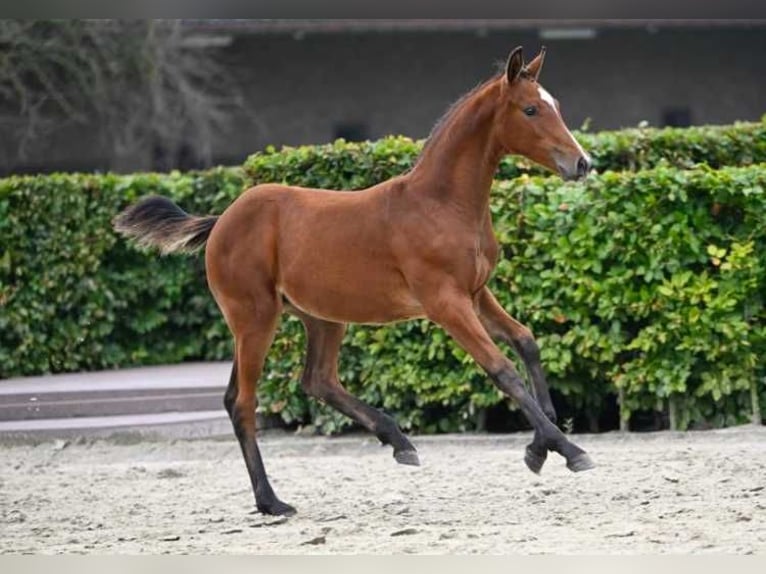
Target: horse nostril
[{"x": 583, "y": 166}]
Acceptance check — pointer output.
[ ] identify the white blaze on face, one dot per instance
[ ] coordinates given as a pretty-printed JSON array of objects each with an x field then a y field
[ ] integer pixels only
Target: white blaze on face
[{"x": 548, "y": 99}]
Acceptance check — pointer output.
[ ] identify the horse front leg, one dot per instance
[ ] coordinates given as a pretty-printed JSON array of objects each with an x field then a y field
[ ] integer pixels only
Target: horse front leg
[
  {"x": 454, "y": 311},
  {"x": 501, "y": 326}
]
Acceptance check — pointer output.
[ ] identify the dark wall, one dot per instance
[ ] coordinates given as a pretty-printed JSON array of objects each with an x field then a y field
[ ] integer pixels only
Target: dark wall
[
  {"x": 299, "y": 90},
  {"x": 309, "y": 89}
]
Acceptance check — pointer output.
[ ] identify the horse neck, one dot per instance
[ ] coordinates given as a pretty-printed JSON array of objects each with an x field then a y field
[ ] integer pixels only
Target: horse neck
[{"x": 459, "y": 160}]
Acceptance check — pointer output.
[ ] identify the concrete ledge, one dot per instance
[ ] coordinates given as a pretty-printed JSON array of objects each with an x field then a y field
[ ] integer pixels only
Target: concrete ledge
[
  {"x": 182, "y": 376},
  {"x": 174, "y": 401}
]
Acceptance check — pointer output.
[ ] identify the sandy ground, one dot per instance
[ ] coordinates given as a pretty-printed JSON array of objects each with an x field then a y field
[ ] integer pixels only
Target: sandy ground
[{"x": 651, "y": 493}]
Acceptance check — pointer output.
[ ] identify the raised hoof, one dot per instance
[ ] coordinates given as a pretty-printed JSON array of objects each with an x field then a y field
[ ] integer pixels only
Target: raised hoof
[
  {"x": 276, "y": 508},
  {"x": 409, "y": 457},
  {"x": 580, "y": 462},
  {"x": 535, "y": 461}
]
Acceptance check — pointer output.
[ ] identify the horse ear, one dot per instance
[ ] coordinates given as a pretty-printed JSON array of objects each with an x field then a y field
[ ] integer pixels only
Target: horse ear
[
  {"x": 534, "y": 67},
  {"x": 515, "y": 65}
]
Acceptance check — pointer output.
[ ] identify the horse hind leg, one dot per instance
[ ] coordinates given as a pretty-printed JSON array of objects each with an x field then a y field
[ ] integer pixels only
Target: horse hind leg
[
  {"x": 320, "y": 380},
  {"x": 252, "y": 344}
]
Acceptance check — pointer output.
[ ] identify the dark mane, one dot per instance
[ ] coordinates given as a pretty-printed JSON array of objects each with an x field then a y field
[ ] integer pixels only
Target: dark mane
[{"x": 446, "y": 118}]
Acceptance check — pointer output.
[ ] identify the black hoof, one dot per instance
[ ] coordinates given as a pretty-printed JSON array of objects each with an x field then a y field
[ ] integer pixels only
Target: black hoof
[
  {"x": 534, "y": 460},
  {"x": 580, "y": 462},
  {"x": 276, "y": 508},
  {"x": 409, "y": 457}
]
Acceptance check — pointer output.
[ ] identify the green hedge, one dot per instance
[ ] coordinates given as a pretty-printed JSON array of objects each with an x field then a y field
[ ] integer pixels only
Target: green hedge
[
  {"x": 342, "y": 165},
  {"x": 649, "y": 284},
  {"x": 76, "y": 297},
  {"x": 646, "y": 284}
]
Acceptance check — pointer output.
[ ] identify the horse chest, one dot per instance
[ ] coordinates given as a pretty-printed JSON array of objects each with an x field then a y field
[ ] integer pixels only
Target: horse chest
[{"x": 469, "y": 262}]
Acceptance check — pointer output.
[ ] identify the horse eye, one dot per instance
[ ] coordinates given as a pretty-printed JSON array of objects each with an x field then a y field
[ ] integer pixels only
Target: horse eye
[{"x": 530, "y": 110}]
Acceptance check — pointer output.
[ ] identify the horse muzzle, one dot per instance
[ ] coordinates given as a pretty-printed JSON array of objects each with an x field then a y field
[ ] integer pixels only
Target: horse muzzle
[{"x": 574, "y": 170}]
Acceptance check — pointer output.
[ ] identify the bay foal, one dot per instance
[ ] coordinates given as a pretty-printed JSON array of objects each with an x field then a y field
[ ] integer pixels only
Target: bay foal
[{"x": 417, "y": 245}]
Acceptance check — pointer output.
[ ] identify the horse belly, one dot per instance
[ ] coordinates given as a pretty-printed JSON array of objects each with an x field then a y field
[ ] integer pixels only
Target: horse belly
[
  {"x": 352, "y": 300},
  {"x": 335, "y": 260}
]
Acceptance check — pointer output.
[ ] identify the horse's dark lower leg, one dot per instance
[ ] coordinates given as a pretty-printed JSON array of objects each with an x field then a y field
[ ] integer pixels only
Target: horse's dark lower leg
[
  {"x": 231, "y": 390},
  {"x": 240, "y": 402},
  {"x": 250, "y": 451},
  {"x": 501, "y": 326},
  {"x": 529, "y": 352},
  {"x": 526, "y": 347},
  {"x": 320, "y": 380},
  {"x": 547, "y": 435},
  {"x": 265, "y": 499},
  {"x": 380, "y": 424},
  {"x": 455, "y": 312}
]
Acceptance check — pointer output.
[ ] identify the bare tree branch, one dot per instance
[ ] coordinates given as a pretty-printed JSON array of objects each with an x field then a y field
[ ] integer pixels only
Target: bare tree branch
[{"x": 133, "y": 81}]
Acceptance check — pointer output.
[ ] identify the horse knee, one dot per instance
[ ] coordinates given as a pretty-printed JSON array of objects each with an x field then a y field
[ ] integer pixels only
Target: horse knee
[
  {"x": 526, "y": 345},
  {"x": 510, "y": 382}
]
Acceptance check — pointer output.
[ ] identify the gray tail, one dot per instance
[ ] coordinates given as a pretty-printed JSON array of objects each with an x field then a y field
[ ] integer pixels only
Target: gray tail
[{"x": 155, "y": 221}]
